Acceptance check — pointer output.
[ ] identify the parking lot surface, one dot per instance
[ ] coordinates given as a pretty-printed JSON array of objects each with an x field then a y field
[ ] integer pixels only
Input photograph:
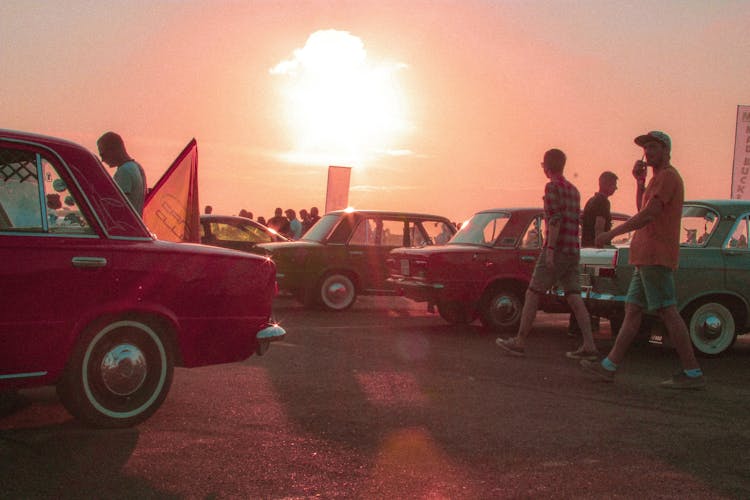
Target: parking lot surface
[{"x": 386, "y": 400}]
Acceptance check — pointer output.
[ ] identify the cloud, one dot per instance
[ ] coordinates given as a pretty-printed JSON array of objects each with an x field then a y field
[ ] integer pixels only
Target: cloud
[
  {"x": 326, "y": 51},
  {"x": 399, "y": 152}
]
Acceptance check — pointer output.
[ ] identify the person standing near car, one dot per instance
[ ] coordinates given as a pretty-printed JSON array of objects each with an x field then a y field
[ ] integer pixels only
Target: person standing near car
[
  {"x": 597, "y": 218},
  {"x": 654, "y": 254},
  {"x": 314, "y": 216},
  {"x": 295, "y": 226},
  {"x": 279, "y": 223},
  {"x": 597, "y": 213},
  {"x": 129, "y": 174},
  {"x": 558, "y": 261},
  {"x": 305, "y": 220}
]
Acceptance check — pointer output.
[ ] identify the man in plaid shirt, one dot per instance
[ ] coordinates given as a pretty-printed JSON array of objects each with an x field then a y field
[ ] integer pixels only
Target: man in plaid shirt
[{"x": 558, "y": 262}]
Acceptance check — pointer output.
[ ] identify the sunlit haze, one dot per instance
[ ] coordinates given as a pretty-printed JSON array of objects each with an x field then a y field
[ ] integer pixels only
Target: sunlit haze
[
  {"x": 438, "y": 107},
  {"x": 340, "y": 107}
]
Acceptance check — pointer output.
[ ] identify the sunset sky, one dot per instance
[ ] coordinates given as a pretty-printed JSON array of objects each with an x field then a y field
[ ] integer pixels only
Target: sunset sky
[{"x": 443, "y": 107}]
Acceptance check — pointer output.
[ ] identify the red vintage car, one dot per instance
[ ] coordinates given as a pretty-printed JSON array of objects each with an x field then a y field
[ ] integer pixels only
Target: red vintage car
[
  {"x": 482, "y": 272},
  {"x": 92, "y": 303}
]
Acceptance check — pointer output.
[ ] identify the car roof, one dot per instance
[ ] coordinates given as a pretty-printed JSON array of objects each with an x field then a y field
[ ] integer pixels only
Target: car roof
[
  {"x": 511, "y": 209},
  {"x": 217, "y": 217},
  {"x": 40, "y": 138},
  {"x": 723, "y": 205},
  {"x": 391, "y": 213}
]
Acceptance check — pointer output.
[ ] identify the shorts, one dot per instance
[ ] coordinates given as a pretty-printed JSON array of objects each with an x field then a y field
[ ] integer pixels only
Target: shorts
[
  {"x": 565, "y": 273},
  {"x": 652, "y": 288}
]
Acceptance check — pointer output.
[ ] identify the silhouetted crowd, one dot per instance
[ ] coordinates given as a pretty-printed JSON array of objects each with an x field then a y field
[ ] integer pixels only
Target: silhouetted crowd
[{"x": 284, "y": 222}]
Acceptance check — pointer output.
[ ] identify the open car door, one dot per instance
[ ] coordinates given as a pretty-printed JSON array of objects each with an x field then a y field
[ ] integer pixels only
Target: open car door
[{"x": 171, "y": 209}]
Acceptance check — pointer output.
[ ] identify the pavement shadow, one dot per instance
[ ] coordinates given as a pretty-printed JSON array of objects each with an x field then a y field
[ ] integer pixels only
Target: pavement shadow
[{"x": 66, "y": 460}]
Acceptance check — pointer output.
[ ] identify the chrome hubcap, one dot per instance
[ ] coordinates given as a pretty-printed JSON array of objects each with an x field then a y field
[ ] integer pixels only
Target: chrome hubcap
[
  {"x": 504, "y": 309},
  {"x": 711, "y": 327},
  {"x": 337, "y": 293},
  {"x": 124, "y": 369}
]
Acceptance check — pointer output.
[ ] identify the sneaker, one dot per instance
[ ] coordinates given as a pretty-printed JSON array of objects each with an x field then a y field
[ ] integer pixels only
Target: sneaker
[
  {"x": 596, "y": 369},
  {"x": 580, "y": 353},
  {"x": 510, "y": 346},
  {"x": 682, "y": 381}
]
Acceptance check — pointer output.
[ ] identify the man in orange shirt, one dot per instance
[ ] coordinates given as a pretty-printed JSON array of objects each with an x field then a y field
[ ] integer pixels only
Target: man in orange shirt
[{"x": 654, "y": 253}]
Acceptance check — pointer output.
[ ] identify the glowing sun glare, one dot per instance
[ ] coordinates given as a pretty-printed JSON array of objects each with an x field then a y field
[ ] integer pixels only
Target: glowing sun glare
[{"x": 341, "y": 108}]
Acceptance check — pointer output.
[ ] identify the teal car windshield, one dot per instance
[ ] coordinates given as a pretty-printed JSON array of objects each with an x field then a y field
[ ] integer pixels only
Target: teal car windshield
[
  {"x": 698, "y": 223},
  {"x": 482, "y": 229}
]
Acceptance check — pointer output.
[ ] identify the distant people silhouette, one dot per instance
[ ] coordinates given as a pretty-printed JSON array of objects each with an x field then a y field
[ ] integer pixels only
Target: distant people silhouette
[
  {"x": 305, "y": 220},
  {"x": 314, "y": 216},
  {"x": 279, "y": 223}
]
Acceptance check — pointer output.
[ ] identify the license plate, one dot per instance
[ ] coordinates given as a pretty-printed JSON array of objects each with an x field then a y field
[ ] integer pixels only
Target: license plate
[{"x": 404, "y": 267}]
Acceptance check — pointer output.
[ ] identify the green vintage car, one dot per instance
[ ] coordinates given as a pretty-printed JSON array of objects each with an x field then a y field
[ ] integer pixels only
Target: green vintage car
[
  {"x": 713, "y": 278},
  {"x": 344, "y": 254}
]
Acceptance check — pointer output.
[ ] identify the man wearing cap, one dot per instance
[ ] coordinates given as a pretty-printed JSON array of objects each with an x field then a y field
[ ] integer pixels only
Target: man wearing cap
[
  {"x": 558, "y": 262},
  {"x": 654, "y": 254}
]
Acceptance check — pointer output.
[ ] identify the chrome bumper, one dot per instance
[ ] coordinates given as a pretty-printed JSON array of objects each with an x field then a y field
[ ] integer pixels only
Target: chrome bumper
[{"x": 265, "y": 336}]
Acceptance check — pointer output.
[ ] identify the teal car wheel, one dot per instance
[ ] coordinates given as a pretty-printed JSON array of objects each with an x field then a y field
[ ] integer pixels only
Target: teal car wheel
[{"x": 712, "y": 329}]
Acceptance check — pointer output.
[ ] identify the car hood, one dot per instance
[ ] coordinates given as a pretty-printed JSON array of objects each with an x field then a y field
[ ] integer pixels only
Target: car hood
[
  {"x": 281, "y": 246},
  {"x": 439, "y": 250},
  {"x": 197, "y": 248}
]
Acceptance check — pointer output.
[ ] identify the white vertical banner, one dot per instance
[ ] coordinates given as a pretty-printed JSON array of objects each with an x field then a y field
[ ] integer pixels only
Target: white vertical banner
[
  {"x": 337, "y": 194},
  {"x": 741, "y": 170}
]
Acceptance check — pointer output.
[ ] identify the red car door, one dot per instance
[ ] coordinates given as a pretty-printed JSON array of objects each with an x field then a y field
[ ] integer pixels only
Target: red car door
[{"x": 55, "y": 265}]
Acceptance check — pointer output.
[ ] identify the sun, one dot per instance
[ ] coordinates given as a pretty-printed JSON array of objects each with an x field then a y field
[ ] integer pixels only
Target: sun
[{"x": 340, "y": 107}]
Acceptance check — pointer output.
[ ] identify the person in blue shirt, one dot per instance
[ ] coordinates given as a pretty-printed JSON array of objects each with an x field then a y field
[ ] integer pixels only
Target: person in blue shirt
[{"x": 129, "y": 174}]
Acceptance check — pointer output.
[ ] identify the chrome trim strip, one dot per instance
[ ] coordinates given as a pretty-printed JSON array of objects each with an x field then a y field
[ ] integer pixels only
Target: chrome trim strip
[
  {"x": 23, "y": 375},
  {"x": 89, "y": 262},
  {"x": 42, "y": 196},
  {"x": 50, "y": 235}
]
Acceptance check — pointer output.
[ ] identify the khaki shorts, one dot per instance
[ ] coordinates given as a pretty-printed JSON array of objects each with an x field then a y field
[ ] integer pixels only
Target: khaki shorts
[{"x": 564, "y": 273}]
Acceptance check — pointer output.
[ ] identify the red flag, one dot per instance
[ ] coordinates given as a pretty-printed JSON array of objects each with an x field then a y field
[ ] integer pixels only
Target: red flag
[
  {"x": 337, "y": 195},
  {"x": 171, "y": 210}
]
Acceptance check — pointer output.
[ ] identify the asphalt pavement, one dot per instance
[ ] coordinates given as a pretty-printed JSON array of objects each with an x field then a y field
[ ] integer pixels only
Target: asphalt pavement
[{"x": 388, "y": 401}]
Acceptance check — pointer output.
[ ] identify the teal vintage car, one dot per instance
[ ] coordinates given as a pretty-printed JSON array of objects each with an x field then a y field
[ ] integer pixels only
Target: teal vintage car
[{"x": 713, "y": 278}]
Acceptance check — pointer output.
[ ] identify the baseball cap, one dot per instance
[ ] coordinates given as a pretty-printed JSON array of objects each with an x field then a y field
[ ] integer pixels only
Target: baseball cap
[{"x": 652, "y": 136}]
